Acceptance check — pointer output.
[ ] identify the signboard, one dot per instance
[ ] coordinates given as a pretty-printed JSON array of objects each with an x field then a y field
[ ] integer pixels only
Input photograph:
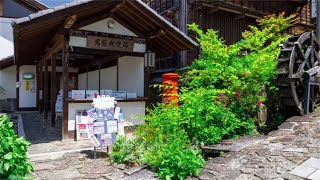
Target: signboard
[
  {"x": 97, "y": 42},
  {"x": 314, "y": 8}
]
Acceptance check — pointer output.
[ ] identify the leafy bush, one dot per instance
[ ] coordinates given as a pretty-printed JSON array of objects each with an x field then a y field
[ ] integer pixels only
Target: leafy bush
[
  {"x": 219, "y": 98},
  {"x": 127, "y": 151},
  {"x": 13, "y": 152}
]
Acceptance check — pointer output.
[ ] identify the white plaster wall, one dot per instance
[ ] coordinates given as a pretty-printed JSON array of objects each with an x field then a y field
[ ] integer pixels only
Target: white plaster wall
[
  {"x": 82, "y": 78},
  {"x": 6, "y": 28},
  {"x": 108, "y": 79},
  {"x": 131, "y": 75},
  {"x": 8, "y": 82},
  {"x": 27, "y": 99},
  {"x": 132, "y": 112},
  {"x": 93, "y": 81},
  {"x": 102, "y": 26}
]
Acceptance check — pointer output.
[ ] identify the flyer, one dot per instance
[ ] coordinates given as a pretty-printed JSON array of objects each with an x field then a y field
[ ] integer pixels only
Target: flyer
[
  {"x": 98, "y": 123},
  {"x": 92, "y": 114},
  {"x": 112, "y": 126},
  {"x": 106, "y": 139},
  {"x": 98, "y": 130}
]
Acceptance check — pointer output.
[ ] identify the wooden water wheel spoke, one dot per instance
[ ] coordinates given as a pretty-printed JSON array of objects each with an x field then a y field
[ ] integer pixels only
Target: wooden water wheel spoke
[{"x": 298, "y": 55}]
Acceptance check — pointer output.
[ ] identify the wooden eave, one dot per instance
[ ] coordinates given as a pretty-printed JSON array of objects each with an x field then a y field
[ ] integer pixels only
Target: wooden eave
[
  {"x": 32, "y": 5},
  {"x": 36, "y": 30},
  {"x": 7, "y": 62}
]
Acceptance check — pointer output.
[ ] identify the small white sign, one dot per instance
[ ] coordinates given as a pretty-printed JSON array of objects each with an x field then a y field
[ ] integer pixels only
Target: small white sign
[
  {"x": 94, "y": 141},
  {"x": 314, "y": 8},
  {"x": 71, "y": 125}
]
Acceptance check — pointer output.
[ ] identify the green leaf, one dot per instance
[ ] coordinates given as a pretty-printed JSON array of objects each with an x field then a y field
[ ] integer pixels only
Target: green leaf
[
  {"x": 8, "y": 156},
  {"x": 6, "y": 166}
]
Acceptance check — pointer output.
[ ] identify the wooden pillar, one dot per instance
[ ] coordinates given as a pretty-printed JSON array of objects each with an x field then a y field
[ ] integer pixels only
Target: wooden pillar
[
  {"x": 99, "y": 77},
  {"x": 37, "y": 85},
  {"x": 87, "y": 78},
  {"x": 1, "y": 8},
  {"x": 65, "y": 77},
  {"x": 17, "y": 88},
  {"x": 46, "y": 90},
  {"x": 53, "y": 89},
  {"x": 41, "y": 87}
]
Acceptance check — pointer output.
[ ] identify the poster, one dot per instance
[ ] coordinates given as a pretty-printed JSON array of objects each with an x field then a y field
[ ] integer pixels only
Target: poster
[{"x": 27, "y": 85}]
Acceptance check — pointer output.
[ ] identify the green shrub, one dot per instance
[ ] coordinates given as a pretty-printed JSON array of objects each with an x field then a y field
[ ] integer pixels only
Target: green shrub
[
  {"x": 13, "y": 152},
  {"x": 220, "y": 95},
  {"x": 127, "y": 151}
]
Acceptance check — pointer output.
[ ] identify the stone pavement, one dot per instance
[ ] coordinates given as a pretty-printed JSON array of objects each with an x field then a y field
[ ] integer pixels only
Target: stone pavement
[
  {"x": 80, "y": 165},
  {"x": 47, "y": 139},
  {"x": 292, "y": 152}
]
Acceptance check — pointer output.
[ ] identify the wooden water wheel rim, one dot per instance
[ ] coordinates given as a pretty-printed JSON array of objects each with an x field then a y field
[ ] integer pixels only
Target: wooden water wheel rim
[{"x": 304, "y": 55}]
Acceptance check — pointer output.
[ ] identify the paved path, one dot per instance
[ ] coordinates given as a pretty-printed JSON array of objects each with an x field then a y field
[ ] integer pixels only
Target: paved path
[
  {"x": 292, "y": 152},
  {"x": 46, "y": 139},
  {"x": 80, "y": 165}
]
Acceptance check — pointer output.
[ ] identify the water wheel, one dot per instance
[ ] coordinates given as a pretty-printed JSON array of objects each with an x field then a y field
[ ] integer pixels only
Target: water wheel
[{"x": 298, "y": 55}]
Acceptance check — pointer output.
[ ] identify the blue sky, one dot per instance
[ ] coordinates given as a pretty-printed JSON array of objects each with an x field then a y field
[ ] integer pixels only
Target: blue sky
[{"x": 53, "y": 3}]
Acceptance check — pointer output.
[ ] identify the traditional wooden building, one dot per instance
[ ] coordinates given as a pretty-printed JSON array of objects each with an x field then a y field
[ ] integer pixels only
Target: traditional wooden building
[
  {"x": 91, "y": 47},
  {"x": 9, "y": 11},
  {"x": 229, "y": 17}
]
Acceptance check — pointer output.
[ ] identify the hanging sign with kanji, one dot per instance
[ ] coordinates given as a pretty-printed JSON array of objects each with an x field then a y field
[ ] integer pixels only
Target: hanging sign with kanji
[{"x": 98, "y": 42}]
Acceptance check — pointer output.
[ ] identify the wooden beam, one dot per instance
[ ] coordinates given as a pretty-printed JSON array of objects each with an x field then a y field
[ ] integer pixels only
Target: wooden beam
[
  {"x": 70, "y": 21},
  {"x": 156, "y": 34},
  {"x": 53, "y": 89},
  {"x": 54, "y": 46},
  {"x": 96, "y": 18},
  {"x": 91, "y": 20},
  {"x": 46, "y": 90}
]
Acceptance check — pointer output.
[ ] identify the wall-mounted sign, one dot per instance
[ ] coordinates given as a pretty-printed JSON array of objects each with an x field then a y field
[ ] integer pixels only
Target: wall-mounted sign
[
  {"x": 28, "y": 76},
  {"x": 150, "y": 59},
  {"x": 314, "y": 8},
  {"x": 97, "y": 42}
]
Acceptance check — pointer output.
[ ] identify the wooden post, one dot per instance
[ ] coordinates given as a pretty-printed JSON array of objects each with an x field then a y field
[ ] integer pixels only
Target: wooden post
[
  {"x": 40, "y": 87},
  {"x": 1, "y": 8},
  {"x": 46, "y": 90},
  {"x": 65, "y": 77},
  {"x": 53, "y": 89},
  {"x": 99, "y": 77},
  {"x": 17, "y": 88},
  {"x": 183, "y": 28},
  {"x": 318, "y": 20}
]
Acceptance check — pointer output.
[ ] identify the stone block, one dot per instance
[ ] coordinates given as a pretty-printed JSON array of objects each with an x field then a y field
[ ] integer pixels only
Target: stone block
[
  {"x": 312, "y": 162},
  {"x": 303, "y": 171},
  {"x": 315, "y": 175}
]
